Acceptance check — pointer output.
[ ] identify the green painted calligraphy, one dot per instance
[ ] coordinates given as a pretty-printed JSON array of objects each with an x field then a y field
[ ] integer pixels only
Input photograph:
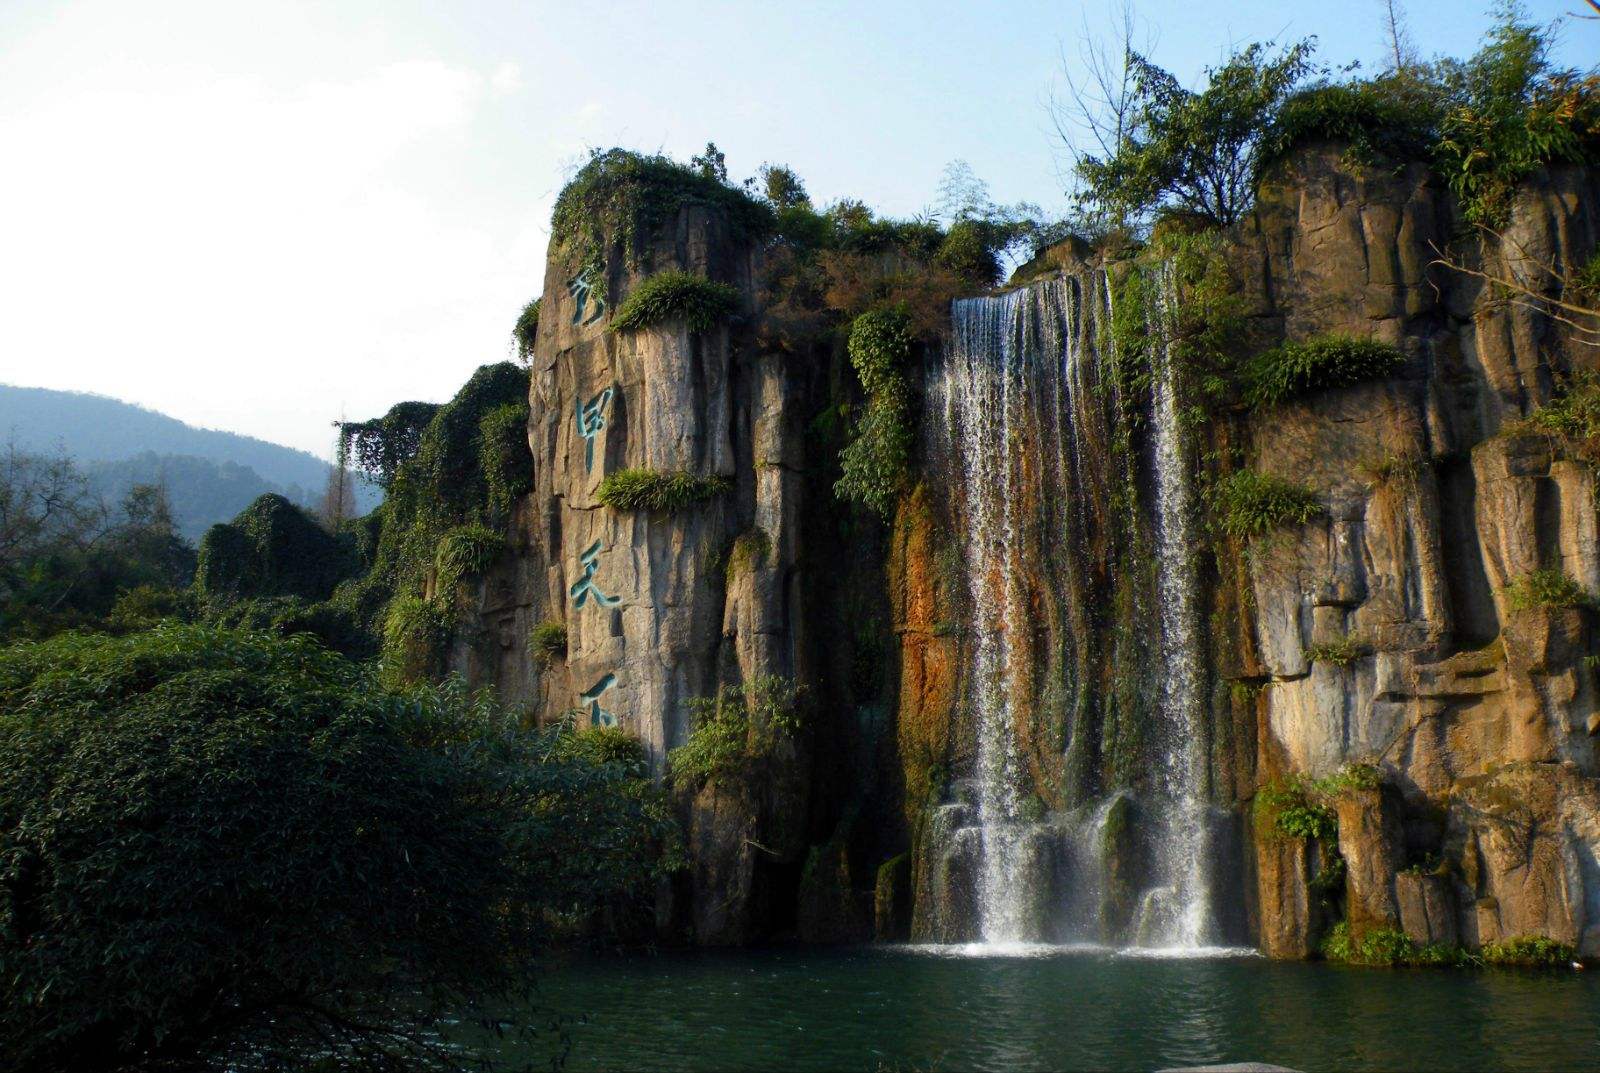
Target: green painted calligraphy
[
  {"x": 598, "y": 716},
  {"x": 581, "y": 288},
  {"x": 591, "y": 419},
  {"x": 585, "y": 586}
]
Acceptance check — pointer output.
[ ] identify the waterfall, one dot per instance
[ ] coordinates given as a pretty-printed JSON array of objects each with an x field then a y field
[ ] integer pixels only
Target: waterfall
[
  {"x": 983, "y": 377},
  {"x": 1184, "y": 855},
  {"x": 1024, "y": 441}
]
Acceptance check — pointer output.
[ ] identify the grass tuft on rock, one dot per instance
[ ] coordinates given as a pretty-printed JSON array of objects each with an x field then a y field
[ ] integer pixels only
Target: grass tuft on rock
[
  {"x": 549, "y": 641},
  {"x": 1293, "y": 370},
  {"x": 657, "y": 492},
  {"x": 463, "y": 552},
  {"x": 1572, "y": 417},
  {"x": 1340, "y": 652},
  {"x": 672, "y": 296},
  {"x": 1249, "y": 504},
  {"x": 1548, "y": 588}
]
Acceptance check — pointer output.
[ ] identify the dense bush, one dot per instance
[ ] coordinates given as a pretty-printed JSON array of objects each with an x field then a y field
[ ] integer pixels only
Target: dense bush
[
  {"x": 415, "y": 633},
  {"x": 1547, "y": 588},
  {"x": 503, "y": 457},
  {"x": 1248, "y": 504},
  {"x": 674, "y": 296},
  {"x": 1292, "y": 370},
  {"x": 657, "y": 492},
  {"x": 1529, "y": 951},
  {"x": 272, "y": 548},
  {"x": 224, "y": 850},
  {"x": 733, "y": 733},
  {"x": 1389, "y": 947},
  {"x": 378, "y": 447},
  {"x": 877, "y": 461},
  {"x": 1389, "y": 120},
  {"x": 525, "y": 333},
  {"x": 1289, "y": 808},
  {"x": 67, "y": 559}
]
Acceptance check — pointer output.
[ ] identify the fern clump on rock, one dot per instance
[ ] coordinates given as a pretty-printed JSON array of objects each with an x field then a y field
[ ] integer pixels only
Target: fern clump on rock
[
  {"x": 1293, "y": 370},
  {"x": 659, "y": 492},
  {"x": 673, "y": 296}
]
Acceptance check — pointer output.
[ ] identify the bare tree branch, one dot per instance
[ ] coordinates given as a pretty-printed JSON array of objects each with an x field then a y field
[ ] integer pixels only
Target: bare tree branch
[{"x": 1583, "y": 319}]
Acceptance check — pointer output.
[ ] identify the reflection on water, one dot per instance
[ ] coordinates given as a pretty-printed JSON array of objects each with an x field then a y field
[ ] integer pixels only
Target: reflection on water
[{"x": 1046, "y": 1008}]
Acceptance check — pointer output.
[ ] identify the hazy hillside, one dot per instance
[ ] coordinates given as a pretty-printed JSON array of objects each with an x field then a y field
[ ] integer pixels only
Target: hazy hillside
[
  {"x": 209, "y": 474},
  {"x": 202, "y": 492}
]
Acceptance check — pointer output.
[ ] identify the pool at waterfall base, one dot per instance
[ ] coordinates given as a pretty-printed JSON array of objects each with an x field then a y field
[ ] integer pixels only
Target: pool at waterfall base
[{"x": 1040, "y": 1007}]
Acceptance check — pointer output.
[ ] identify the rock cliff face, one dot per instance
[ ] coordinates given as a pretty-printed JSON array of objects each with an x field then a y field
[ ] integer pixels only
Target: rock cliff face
[
  {"x": 1478, "y": 716},
  {"x": 1436, "y": 504}
]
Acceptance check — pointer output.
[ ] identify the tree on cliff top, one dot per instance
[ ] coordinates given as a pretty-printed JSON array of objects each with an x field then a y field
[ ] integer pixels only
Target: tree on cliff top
[{"x": 1193, "y": 150}]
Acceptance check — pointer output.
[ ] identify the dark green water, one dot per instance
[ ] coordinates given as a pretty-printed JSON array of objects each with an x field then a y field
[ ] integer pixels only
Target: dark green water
[{"x": 898, "y": 1009}]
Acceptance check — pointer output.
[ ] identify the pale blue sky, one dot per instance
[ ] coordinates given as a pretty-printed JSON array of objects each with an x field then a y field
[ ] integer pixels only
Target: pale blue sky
[{"x": 258, "y": 216}]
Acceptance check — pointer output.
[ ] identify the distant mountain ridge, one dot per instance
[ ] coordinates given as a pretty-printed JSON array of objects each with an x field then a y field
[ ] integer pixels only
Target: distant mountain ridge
[{"x": 210, "y": 475}]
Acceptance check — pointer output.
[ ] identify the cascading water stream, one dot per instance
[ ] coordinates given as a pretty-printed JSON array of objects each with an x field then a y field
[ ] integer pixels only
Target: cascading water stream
[
  {"x": 1017, "y": 388},
  {"x": 979, "y": 386},
  {"x": 1184, "y": 855}
]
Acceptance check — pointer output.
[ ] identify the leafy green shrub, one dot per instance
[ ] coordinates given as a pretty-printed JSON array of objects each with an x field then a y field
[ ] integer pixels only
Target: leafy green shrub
[
  {"x": 575, "y": 740},
  {"x": 673, "y": 296},
  {"x": 1287, "y": 809},
  {"x": 415, "y": 633},
  {"x": 1572, "y": 416},
  {"x": 734, "y": 732},
  {"x": 503, "y": 456},
  {"x": 1585, "y": 279},
  {"x": 880, "y": 346},
  {"x": 1528, "y": 951},
  {"x": 1547, "y": 588},
  {"x": 1340, "y": 652},
  {"x": 465, "y": 551},
  {"x": 1249, "y": 504},
  {"x": 549, "y": 641},
  {"x": 380, "y": 446},
  {"x": 876, "y": 463},
  {"x": 1295, "y": 369},
  {"x": 1388, "y": 947},
  {"x": 526, "y": 331},
  {"x": 232, "y": 851},
  {"x": 1350, "y": 777},
  {"x": 1386, "y": 120},
  {"x": 1513, "y": 112},
  {"x": 657, "y": 492},
  {"x": 143, "y": 606}
]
